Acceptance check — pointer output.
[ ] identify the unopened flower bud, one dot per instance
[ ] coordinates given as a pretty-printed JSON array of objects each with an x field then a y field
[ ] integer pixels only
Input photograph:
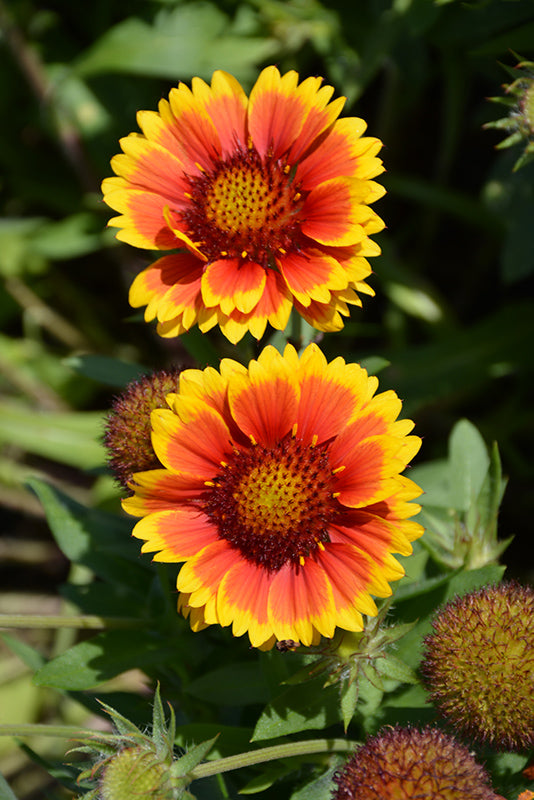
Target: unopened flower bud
[
  {"x": 128, "y": 430},
  {"x": 403, "y": 763},
  {"x": 479, "y": 665}
]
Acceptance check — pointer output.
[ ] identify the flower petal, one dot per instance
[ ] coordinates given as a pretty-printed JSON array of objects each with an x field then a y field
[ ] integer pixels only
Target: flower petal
[
  {"x": 178, "y": 534},
  {"x": 242, "y": 601},
  {"x": 233, "y": 284},
  {"x": 159, "y": 490},
  {"x": 311, "y": 275},
  {"x": 330, "y": 395},
  {"x": 171, "y": 282},
  {"x": 332, "y": 213},
  {"x": 340, "y": 154},
  {"x": 226, "y": 103},
  {"x": 301, "y": 604},
  {"x": 264, "y": 402},
  {"x": 193, "y": 443}
]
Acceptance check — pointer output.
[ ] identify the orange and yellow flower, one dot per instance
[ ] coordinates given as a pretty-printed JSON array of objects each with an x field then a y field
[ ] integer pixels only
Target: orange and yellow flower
[
  {"x": 265, "y": 197},
  {"x": 281, "y": 491}
]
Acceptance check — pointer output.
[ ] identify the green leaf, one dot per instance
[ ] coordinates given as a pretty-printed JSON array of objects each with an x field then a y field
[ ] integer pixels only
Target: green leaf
[
  {"x": 94, "y": 538},
  {"x": 411, "y": 697},
  {"x": 111, "y": 371},
  {"x": 5, "y": 792},
  {"x": 434, "y": 478},
  {"x": 27, "y": 654},
  {"x": 105, "y": 656},
  {"x": 71, "y": 237},
  {"x": 307, "y": 706},
  {"x": 374, "y": 364},
  {"x": 233, "y": 685},
  {"x": 271, "y": 773},
  {"x": 469, "y": 462},
  {"x": 192, "y": 39},
  {"x": 491, "y": 492},
  {"x": 319, "y": 789},
  {"x": 16, "y": 256},
  {"x": 72, "y": 438}
]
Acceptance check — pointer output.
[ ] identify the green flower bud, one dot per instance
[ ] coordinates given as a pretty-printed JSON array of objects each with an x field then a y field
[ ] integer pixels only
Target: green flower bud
[
  {"x": 479, "y": 665},
  {"x": 519, "y": 124},
  {"x": 135, "y": 774},
  {"x": 405, "y": 763}
]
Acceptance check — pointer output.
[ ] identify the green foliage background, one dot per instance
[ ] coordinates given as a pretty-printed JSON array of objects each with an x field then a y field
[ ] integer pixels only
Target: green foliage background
[{"x": 451, "y": 327}]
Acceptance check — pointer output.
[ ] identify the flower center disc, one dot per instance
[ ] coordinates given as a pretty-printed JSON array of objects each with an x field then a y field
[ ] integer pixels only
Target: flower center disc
[
  {"x": 246, "y": 207},
  {"x": 274, "y": 505}
]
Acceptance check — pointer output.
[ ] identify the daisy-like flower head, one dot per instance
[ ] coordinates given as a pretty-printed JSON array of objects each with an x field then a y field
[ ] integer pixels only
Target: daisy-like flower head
[
  {"x": 281, "y": 491},
  {"x": 266, "y": 196}
]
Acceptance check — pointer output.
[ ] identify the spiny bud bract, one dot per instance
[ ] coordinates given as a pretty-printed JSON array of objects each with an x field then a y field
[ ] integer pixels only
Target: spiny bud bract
[{"x": 519, "y": 124}]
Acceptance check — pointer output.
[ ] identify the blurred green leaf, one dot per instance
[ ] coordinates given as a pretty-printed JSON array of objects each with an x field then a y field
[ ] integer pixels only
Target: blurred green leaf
[
  {"x": 104, "y": 369},
  {"x": 463, "y": 362},
  {"x": 27, "y": 654},
  {"x": 434, "y": 478},
  {"x": 5, "y": 792},
  {"x": 234, "y": 685},
  {"x": 192, "y": 39},
  {"x": 68, "y": 437},
  {"x": 469, "y": 461},
  {"x": 105, "y": 656},
  {"x": 73, "y": 99},
  {"x": 16, "y": 256},
  {"x": 70, "y": 237},
  {"x": 98, "y": 540},
  {"x": 510, "y": 195}
]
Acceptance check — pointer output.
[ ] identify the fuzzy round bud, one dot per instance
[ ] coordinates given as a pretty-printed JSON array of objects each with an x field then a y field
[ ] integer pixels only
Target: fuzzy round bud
[
  {"x": 403, "y": 763},
  {"x": 479, "y": 665},
  {"x": 135, "y": 774},
  {"x": 127, "y": 435}
]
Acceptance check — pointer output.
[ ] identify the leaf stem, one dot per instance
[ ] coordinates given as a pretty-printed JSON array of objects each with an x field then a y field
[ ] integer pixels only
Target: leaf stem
[
  {"x": 86, "y": 622},
  {"x": 287, "y": 750}
]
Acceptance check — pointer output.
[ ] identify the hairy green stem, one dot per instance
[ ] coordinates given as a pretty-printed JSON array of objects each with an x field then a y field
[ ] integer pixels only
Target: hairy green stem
[
  {"x": 86, "y": 622},
  {"x": 40, "y": 729},
  {"x": 287, "y": 750}
]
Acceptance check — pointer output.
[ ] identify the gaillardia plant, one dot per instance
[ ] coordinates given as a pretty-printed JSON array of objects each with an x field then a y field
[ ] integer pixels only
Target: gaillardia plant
[
  {"x": 265, "y": 198},
  {"x": 406, "y": 763},
  {"x": 281, "y": 490},
  {"x": 479, "y": 665}
]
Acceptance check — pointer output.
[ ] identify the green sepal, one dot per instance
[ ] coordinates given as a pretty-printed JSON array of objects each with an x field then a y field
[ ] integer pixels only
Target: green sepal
[
  {"x": 124, "y": 726},
  {"x": 194, "y": 756},
  {"x": 349, "y": 693},
  {"x": 396, "y": 669},
  {"x": 162, "y": 735},
  {"x": 373, "y": 676}
]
